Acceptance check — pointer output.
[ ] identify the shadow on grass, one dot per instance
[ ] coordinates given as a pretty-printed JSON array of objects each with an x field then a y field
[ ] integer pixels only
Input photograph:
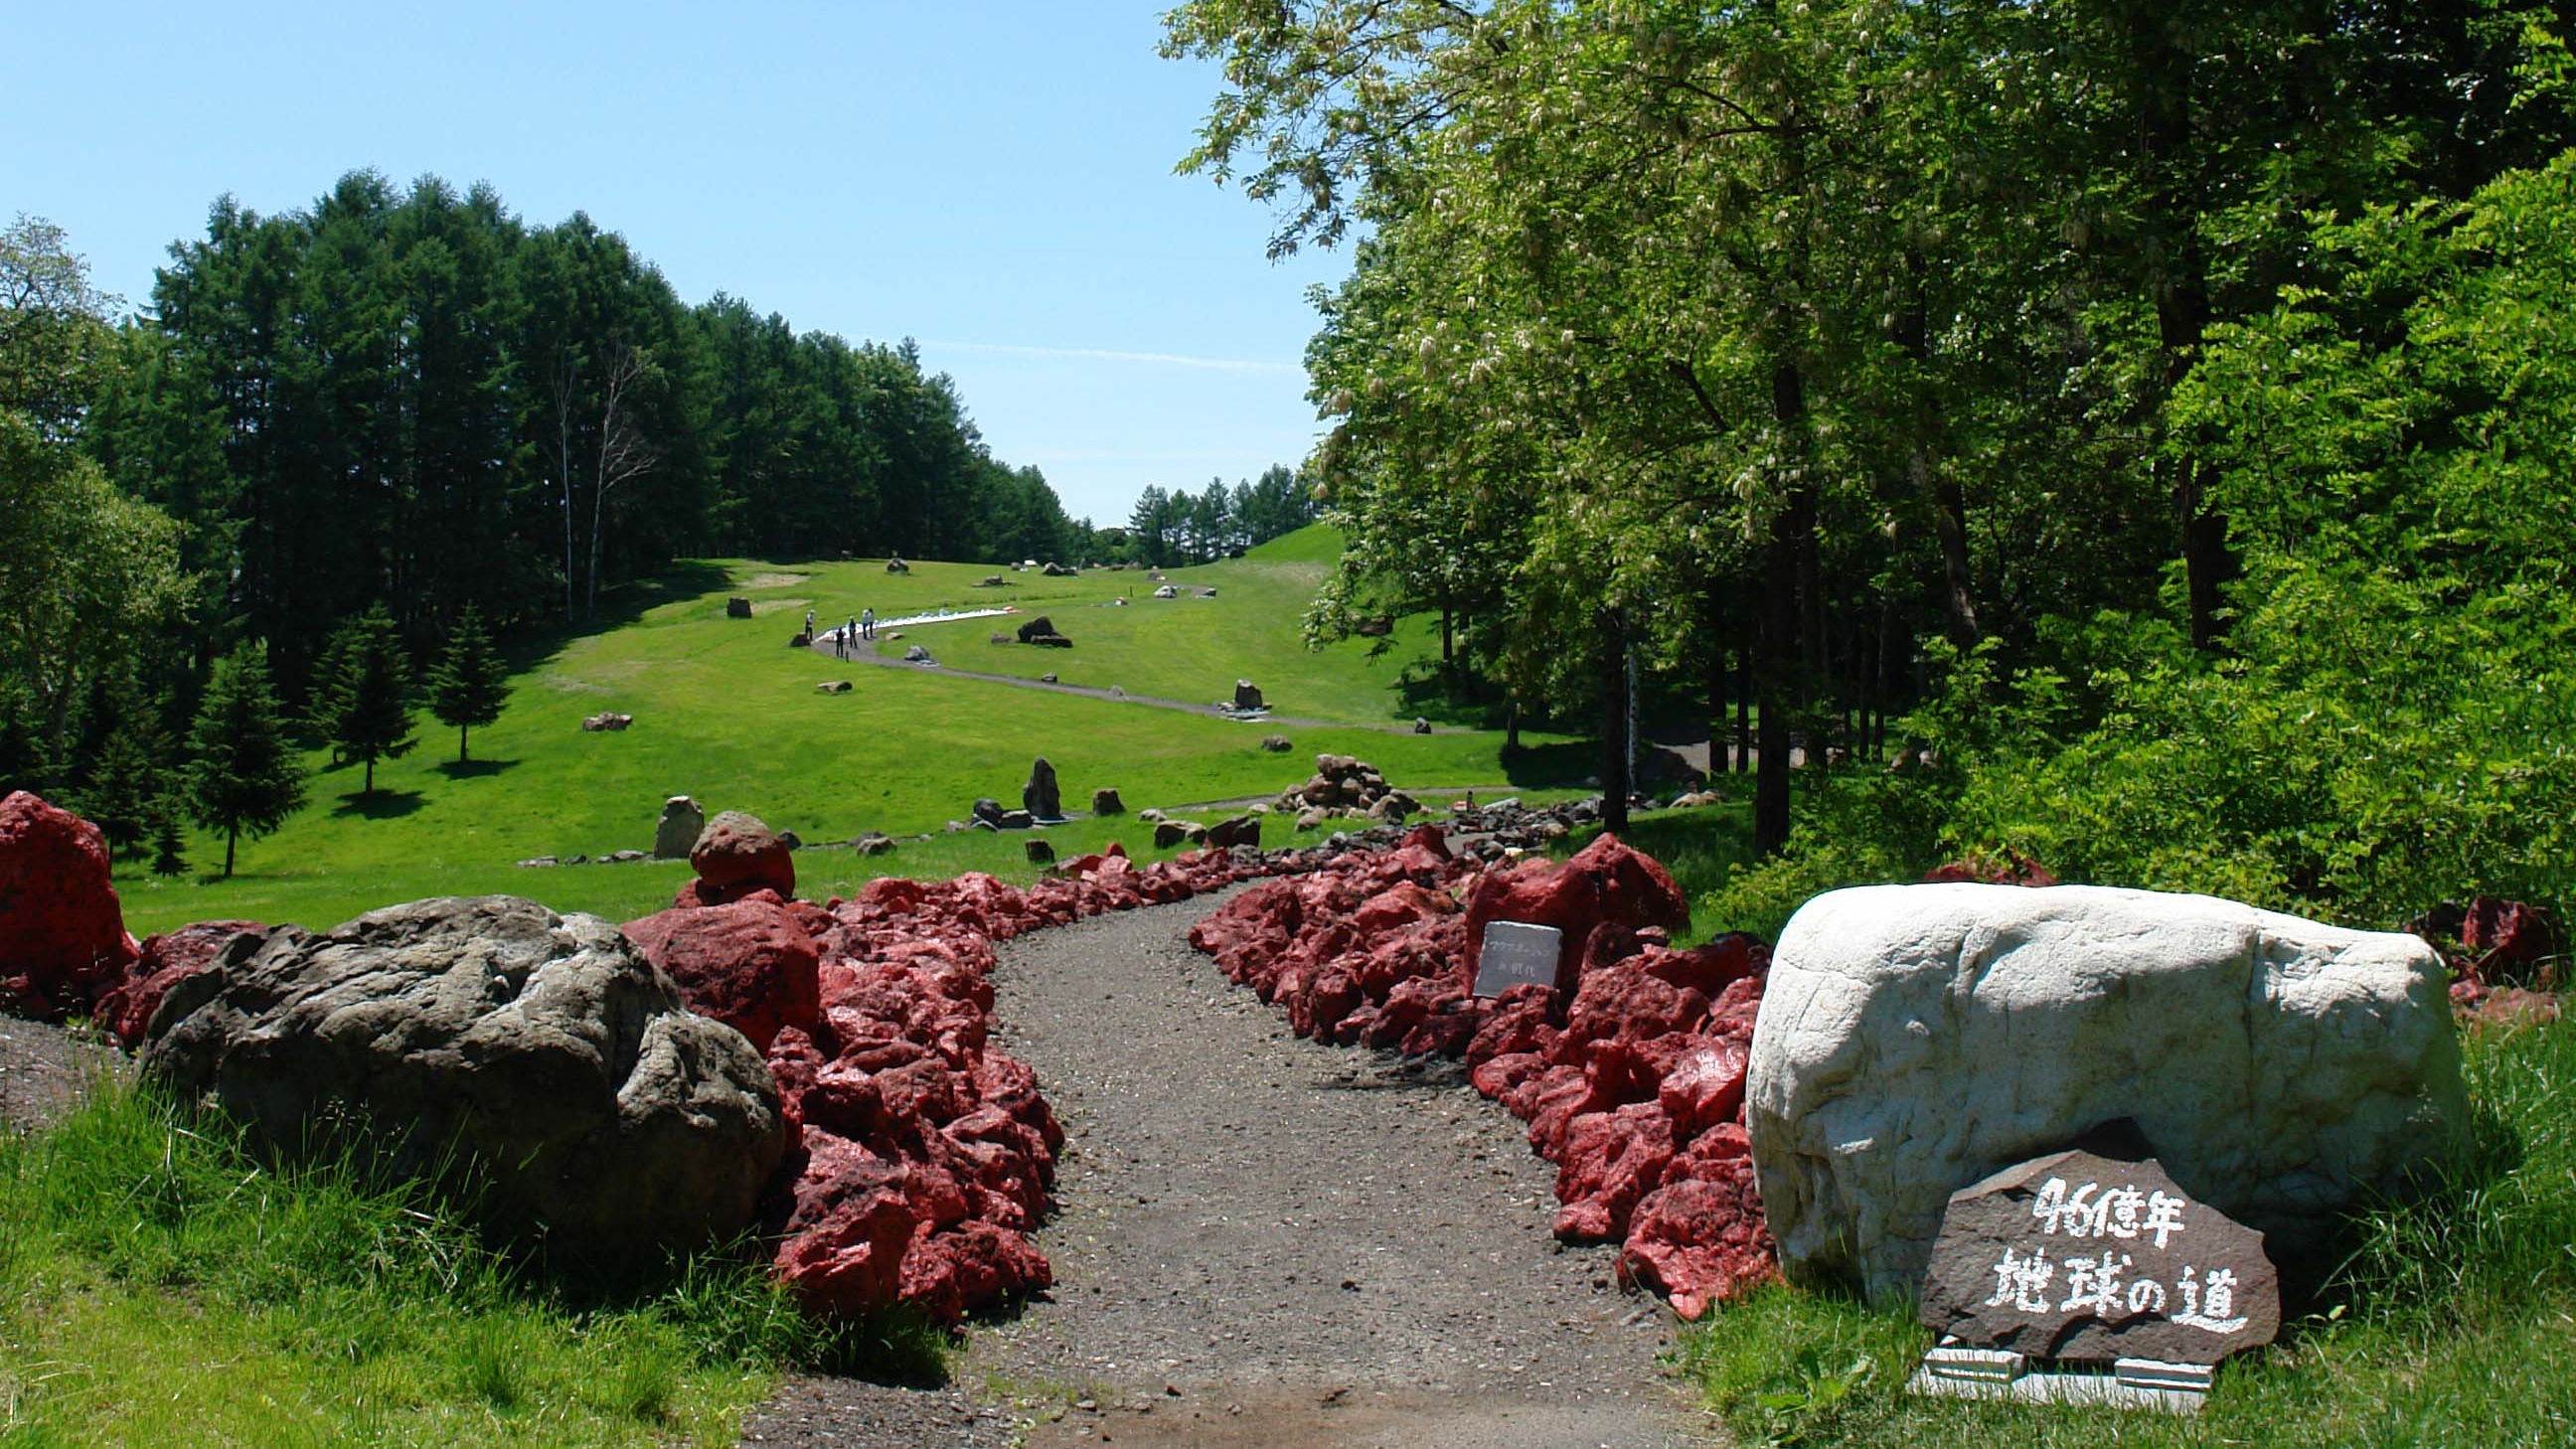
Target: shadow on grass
[
  {"x": 381, "y": 804},
  {"x": 619, "y": 606},
  {"x": 473, "y": 769}
]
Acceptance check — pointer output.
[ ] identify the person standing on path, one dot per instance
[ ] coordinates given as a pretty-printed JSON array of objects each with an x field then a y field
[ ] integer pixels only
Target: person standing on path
[
  {"x": 867, "y": 623},
  {"x": 809, "y": 626}
]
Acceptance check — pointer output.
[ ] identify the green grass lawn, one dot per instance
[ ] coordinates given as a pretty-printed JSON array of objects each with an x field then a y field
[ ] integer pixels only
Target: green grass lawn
[
  {"x": 1189, "y": 648},
  {"x": 725, "y": 712},
  {"x": 160, "y": 1285}
]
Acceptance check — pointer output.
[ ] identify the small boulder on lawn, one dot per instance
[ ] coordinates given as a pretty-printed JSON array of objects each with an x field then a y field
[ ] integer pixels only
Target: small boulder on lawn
[
  {"x": 1168, "y": 833},
  {"x": 1038, "y": 851},
  {"x": 677, "y": 832},
  {"x": 1236, "y": 830},
  {"x": 1040, "y": 796},
  {"x": 736, "y": 854},
  {"x": 1105, "y": 801},
  {"x": 1247, "y": 697}
]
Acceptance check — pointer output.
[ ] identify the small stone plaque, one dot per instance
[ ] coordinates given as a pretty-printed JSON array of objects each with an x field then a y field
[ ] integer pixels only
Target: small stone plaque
[
  {"x": 2074, "y": 1256},
  {"x": 1516, "y": 953}
]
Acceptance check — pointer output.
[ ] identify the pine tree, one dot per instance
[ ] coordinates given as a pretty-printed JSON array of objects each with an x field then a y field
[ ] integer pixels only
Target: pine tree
[
  {"x": 465, "y": 687},
  {"x": 169, "y": 852},
  {"x": 243, "y": 775},
  {"x": 368, "y": 704},
  {"x": 128, "y": 782}
]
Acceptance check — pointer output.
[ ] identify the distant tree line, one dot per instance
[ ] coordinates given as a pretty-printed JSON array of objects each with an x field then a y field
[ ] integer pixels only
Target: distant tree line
[
  {"x": 1180, "y": 527},
  {"x": 413, "y": 398},
  {"x": 400, "y": 425}
]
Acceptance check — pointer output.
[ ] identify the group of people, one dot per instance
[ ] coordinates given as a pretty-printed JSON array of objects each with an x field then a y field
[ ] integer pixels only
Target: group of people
[{"x": 861, "y": 627}]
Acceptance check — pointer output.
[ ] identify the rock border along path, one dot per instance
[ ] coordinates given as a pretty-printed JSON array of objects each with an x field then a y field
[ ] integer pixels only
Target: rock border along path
[{"x": 1262, "y": 1241}]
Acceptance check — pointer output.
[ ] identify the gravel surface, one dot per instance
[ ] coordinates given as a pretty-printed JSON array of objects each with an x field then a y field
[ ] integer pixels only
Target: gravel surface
[
  {"x": 42, "y": 1069},
  {"x": 1262, "y": 1241}
]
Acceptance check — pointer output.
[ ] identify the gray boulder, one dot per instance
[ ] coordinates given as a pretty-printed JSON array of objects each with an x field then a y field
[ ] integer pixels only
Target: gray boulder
[
  {"x": 1040, "y": 796},
  {"x": 1236, "y": 830},
  {"x": 678, "y": 828},
  {"x": 1247, "y": 696},
  {"x": 1915, "y": 1039},
  {"x": 1105, "y": 801},
  {"x": 545, "y": 1049}
]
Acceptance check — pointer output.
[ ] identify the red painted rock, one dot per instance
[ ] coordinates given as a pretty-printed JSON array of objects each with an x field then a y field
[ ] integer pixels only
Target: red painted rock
[
  {"x": 736, "y": 850},
  {"x": 62, "y": 937},
  {"x": 1700, "y": 1237},
  {"x": 944, "y": 1273},
  {"x": 750, "y": 964},
  {"x": 1605, "y": 882},
  {"x": 1609, "y": 1161},
  {"x": 2005, "y": 869},
  {"x": 843, "y": 1244},
  {"x": 1705, "y": 1089},
  {"x": 167, "y": 959}
]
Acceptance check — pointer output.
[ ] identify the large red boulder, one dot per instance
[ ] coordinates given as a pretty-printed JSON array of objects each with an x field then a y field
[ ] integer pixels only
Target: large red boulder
[
  {"x": 1609, "y": 1161},
  {"x": 1606, "y": 883},
  {"x": 167, "y": 959},
  {"x": 736, "y": 853},
  {"x": 749, "y": 964},
  {"x": 62, "y": 937}
]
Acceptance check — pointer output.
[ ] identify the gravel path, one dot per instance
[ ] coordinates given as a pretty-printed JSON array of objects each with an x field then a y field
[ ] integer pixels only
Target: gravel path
[
  {"x": 43, "y": 1068},
  {"x": 1261, "y": 1241}
]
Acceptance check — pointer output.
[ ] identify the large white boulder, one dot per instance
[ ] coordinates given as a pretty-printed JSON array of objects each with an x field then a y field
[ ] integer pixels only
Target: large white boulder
[{"x": 1914, "y": 1039}]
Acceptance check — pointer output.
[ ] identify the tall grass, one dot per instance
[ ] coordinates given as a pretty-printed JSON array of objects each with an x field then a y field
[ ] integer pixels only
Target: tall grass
[
  {"x": 2452, "y": 1322},
  {"x": 161, "y": 1284}
]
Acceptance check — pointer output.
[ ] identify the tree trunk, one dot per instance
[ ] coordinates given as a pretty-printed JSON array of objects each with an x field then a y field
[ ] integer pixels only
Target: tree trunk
[
  {"x": 1788, "y": 563},
  {"x": 1779, "y": 645},
  {"x": 232, "y": 834},
  {"x": 460, "y": 744},
  {"x": 370, "y": 787},
  {"x": 1744, "y": 655},
  {"x": 2176, "y": 273},
  {"x": 1614, "y": 720}
]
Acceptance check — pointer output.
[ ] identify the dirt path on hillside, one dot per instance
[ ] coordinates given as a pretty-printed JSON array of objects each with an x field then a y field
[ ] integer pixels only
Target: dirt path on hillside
[{"x": 1261, "y": 1241}]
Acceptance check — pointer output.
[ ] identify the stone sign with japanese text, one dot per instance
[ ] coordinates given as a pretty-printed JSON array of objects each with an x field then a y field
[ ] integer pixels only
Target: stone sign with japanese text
[
  {"x": 1516, "y": 953},
  {"x": 2074, "y": 1256}
]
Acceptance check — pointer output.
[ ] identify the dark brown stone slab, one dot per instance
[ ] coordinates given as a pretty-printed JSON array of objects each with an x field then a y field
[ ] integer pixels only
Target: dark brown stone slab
[{"x": 2073, "y": 1256}]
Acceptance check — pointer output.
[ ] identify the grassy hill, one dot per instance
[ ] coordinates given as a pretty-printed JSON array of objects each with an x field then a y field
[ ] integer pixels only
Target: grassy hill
[
  {"x": 1191, "y": 648},
  {"x": 725, "y": 712}
]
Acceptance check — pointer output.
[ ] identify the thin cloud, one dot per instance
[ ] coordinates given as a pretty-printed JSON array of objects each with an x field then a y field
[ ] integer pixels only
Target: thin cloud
[{"x": 1104, "y": 354}]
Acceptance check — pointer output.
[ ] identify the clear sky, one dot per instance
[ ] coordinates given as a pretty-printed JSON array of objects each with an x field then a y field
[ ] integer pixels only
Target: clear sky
[{"x": 994, "y": 179}]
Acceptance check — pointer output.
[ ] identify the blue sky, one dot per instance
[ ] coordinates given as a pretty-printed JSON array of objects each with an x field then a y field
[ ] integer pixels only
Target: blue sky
[{"x": 993, "y": 179}]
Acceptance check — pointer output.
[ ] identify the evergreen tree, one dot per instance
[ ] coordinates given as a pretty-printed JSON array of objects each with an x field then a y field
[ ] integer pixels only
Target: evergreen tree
[
  {"x": 365, "y": 702},
  {"x": 465, "y": 687},
  {"x": 243, "y": 773},
  {"x": 126, "y": 787},
  {"x": 169, "y": 852}
]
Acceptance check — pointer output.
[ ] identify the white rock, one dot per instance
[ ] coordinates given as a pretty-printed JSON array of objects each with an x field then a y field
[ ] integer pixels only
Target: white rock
[{"x": 1914, "y": 1039}]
